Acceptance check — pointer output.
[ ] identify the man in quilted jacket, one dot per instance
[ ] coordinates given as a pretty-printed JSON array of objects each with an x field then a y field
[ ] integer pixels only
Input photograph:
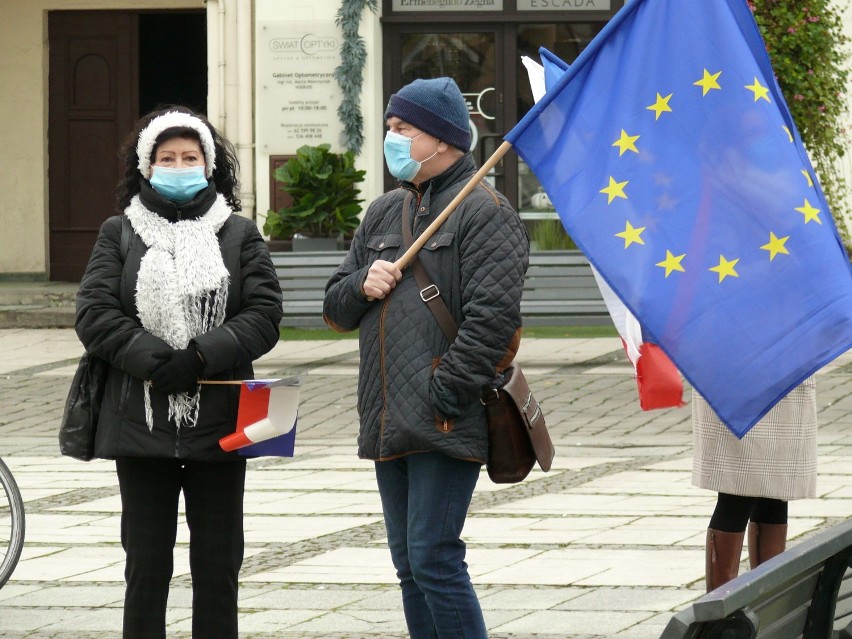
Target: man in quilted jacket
[{"x": 421, "y": 419}]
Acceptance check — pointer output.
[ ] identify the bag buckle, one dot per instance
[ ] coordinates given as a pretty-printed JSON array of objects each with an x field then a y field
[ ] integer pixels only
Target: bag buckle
[
  {"x": 433, "y": 292},
  {"x": 484, "y": 397}
]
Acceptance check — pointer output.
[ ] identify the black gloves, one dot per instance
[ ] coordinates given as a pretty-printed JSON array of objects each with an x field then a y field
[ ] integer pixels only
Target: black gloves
[
  {"x": 445, "y": 404},
  {"x": 178, "y": 371}
]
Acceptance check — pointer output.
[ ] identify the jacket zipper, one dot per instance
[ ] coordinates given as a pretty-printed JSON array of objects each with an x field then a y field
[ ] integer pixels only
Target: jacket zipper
[
  {"x": 382, "y": 352},
  {"x": 382, "y": 370}
]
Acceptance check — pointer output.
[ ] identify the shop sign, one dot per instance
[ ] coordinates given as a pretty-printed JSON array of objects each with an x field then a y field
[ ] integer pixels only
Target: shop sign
[
  {"x": 447, "y": 5},
  {"x": 564, "y": 5},
  {"x": 297, "y": 93}
]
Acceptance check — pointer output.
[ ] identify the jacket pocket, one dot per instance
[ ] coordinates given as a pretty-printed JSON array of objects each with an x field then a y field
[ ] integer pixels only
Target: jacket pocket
[
  {"x": 384, "y": 246},
  {"x": 124, "y": 393},
  {"x": 445, "y": 425},
  {"x": 439, "y": 241}
]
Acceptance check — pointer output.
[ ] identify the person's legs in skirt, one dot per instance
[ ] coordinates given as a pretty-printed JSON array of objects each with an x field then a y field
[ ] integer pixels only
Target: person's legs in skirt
[
  {"x": 767, "y": 530},
  {"x": 725, "y": 538}
]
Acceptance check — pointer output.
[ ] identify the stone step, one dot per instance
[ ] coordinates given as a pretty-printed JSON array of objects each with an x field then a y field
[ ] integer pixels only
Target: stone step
[
  {"x": 37, "y": 304},
  {"x": 37, "y": 317},
  {"x": 37, "y": 293}
]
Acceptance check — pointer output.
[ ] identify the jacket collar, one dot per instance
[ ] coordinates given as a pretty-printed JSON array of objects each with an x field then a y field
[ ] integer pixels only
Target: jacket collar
[
  {"x": 463, "y": 167},
  {"x": 165, "y": 208}
]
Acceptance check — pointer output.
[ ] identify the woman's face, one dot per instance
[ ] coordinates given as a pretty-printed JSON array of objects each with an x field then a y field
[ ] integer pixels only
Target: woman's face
[{"x": 179, "y": 153}]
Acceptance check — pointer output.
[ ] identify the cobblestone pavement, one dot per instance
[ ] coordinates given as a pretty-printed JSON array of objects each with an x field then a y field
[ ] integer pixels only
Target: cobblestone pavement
[{"x": 608, "y": 544}]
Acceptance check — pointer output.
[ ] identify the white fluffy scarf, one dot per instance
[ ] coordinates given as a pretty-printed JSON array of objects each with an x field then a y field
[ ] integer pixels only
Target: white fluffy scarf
[{"x": 182, "y": 287}]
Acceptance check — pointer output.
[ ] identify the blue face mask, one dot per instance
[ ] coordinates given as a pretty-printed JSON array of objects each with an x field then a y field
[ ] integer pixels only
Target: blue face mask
[
  {"x": 178, "y": 185},
  {"x": 398, "y": 156}
]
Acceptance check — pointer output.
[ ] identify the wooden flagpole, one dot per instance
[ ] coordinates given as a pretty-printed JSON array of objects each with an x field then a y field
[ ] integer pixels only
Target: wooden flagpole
[{"x": 489, "y": 164}]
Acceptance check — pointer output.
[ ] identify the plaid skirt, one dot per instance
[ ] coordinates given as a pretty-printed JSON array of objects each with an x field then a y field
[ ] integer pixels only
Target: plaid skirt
[{"x": 776, "y": 458}]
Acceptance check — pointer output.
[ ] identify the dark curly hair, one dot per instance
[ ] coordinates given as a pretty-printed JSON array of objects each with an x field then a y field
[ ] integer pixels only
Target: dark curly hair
[{"x": 224, "y": 175}]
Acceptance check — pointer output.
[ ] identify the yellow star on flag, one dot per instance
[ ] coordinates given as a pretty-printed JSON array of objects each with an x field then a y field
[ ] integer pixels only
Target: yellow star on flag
[
  {"x": 776, "y": 246},
  {"x": 725, "y": 268},
  {"x": 808, "y": 177},
  {"x": 809, "y": 212},
  {"x": 614, "y": 190},
  {"x": 672, "y": 263},
  {"x": 631, "y": 235},
  {"x": 760, "y": 91},
  {"x": 709, "y": 81},
  {"x": 788, "y": 132},
  {"x": 661, "y": 105},
  {"x": 626, "y": 143}
]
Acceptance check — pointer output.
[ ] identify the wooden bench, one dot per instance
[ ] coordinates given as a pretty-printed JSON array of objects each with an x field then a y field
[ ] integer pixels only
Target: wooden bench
[
  {"x": 559, "y": 289},
  {"x": 803, "y": 593}
]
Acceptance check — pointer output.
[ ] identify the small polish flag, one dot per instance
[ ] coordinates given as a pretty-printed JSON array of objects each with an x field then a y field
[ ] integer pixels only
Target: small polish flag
[{"x": 266, "y": 418}]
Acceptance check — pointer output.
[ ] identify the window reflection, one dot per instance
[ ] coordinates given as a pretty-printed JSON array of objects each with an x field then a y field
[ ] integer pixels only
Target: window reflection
[
  {"x": 566, "y": 40},
  {"x": 468, "y": 58}
]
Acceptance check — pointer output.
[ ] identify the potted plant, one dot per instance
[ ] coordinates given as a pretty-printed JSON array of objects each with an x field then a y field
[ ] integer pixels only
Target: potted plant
[{"x": 325, "y": 208}]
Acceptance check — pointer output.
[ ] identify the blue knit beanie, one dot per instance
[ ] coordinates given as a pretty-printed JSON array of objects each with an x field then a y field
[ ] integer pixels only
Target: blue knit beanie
[{"x": 435, "y": 106}]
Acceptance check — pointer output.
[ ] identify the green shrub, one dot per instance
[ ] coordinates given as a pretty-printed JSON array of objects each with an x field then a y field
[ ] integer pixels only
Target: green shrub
[
  {"x": 549, "y": 235},
  {"x": 325, "y": 198}
]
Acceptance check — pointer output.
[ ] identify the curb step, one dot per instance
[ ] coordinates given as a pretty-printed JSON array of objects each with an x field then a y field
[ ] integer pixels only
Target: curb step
[
  {"x": 37, "y": 304},
  {"x": 37, "y": 317}
]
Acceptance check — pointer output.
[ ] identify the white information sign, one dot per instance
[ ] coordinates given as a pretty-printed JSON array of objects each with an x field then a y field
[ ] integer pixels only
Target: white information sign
[
  {"x": 297, "y": 93},
  {"x": 564, "y": 5}
]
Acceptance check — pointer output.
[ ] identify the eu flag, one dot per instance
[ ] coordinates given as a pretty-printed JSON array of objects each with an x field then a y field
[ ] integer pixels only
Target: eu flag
[{"x": 673, "y": 161}]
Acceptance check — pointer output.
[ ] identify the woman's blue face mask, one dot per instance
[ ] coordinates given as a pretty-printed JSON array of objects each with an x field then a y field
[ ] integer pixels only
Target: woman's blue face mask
[
  {"x": 398, "y": 156},
  {"x": 178, "y": 185}
]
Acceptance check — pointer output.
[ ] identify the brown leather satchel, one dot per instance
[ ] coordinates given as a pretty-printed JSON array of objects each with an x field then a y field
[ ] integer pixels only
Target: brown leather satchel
[{"x": 517, "y": 434}]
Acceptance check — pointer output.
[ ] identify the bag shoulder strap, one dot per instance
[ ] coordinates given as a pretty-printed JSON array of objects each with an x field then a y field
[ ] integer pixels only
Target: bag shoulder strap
[{"x": 429, "y": 293}]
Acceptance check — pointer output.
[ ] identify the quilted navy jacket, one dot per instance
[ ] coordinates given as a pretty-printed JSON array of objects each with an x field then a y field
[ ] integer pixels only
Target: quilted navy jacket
[
  {"x": 108, "y": 327},
  {"x": 477, "y": 259}
]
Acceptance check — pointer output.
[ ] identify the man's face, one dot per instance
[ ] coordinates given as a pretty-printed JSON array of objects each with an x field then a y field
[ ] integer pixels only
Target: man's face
[{"x": 423, "y": 145}]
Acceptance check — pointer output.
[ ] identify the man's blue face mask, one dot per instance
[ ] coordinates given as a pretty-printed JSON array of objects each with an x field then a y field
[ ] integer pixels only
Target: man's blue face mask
[
  {"x": 398, "y": 156},
  {"x": 178, "y": 185}
]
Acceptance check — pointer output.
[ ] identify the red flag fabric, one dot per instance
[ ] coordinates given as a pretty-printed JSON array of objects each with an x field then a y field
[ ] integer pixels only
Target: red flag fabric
[{"x": 658, "y": 379}]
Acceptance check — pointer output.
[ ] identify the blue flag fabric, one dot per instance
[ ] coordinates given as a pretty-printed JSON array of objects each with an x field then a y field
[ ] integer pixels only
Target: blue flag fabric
[
  {"x": 554, "y": 67},
  {"x": 673, "y": 161}
]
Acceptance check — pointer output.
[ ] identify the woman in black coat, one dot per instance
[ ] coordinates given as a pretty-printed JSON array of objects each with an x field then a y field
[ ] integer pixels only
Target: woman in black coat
[{"x": 179, "y": 289}]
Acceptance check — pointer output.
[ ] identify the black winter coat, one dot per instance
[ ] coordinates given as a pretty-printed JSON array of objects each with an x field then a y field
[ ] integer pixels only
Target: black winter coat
[
  {"x": 477, "y": 259},
  {"x": 108, "y": 326}
]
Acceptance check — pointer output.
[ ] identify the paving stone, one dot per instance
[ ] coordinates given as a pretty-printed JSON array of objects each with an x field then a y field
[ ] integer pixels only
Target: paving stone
[{"x": 608, "y": 544}]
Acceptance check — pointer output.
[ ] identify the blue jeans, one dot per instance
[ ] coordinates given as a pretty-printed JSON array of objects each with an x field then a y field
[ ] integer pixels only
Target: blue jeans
[{"x": 425, "y": 497}]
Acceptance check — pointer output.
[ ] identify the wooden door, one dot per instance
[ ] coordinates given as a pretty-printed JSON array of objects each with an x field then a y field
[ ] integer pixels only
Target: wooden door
[{"x": 93, "y": 104}]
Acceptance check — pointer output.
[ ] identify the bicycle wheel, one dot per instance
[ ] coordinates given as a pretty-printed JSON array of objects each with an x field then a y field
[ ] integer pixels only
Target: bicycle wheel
[{"x": 11, "y": 524}]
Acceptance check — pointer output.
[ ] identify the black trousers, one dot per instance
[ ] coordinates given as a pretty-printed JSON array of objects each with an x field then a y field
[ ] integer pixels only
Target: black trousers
[{"x": 213, "y": 496}]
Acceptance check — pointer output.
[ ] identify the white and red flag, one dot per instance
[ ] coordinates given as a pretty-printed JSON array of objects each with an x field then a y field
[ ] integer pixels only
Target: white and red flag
[
  {"x": 266, "y": 419},
  {"x": 658, "y": 380}
]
